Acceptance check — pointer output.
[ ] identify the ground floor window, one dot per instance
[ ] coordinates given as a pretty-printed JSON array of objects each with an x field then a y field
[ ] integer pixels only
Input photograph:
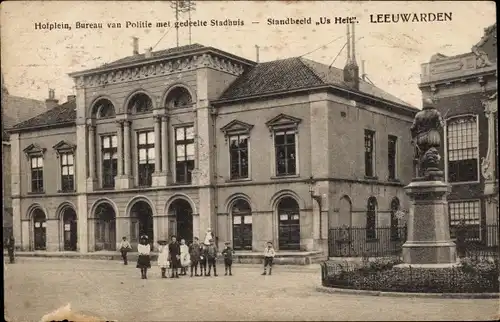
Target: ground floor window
[
  {"x": 39, "y": 230},
  {"x": 242, "y": 225},
  {"x": 465, "y": 215},
  {"x": 105, "y": 228}
]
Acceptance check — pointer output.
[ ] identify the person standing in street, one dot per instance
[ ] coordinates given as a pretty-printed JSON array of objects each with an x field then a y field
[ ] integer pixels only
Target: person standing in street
[
  {"x": 269, "y": 254},
  {"x": 174, "y": 251},
  {"x": 125, "y": 247},
  {"x": 163, "y": 257},
  {"x": 212, "y": 257},
  {"x": 10, "y": 249},
  {"x": 203, "y": 260},
  {"x": 228, "y": 258},
  {"x": 194, "y": 252},
  {"x": 185, "y": 258},
  {"x": 144, "y": 261}
]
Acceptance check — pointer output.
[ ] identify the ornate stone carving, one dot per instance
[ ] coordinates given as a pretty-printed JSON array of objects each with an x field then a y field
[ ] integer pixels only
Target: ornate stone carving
[
  {"x": 425, "y": 133},
  {"x": 488, "y": 162}
]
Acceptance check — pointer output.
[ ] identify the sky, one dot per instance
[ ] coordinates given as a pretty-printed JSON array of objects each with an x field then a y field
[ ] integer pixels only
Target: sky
[{"x": 33, "y": 61}]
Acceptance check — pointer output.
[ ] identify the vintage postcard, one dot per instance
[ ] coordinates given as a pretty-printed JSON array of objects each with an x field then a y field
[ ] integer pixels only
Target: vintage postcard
[{"x": 249, "y": 160}]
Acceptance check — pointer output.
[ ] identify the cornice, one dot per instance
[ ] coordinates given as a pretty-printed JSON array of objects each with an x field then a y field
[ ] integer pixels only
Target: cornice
[{"x": 166, "y": 66}]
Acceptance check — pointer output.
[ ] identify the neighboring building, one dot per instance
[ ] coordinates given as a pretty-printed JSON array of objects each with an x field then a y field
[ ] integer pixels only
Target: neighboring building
[
  {"x": 465, "y": 87},
  {"x": 180, "y": 140},
  {"x": 14, "y": 110}
]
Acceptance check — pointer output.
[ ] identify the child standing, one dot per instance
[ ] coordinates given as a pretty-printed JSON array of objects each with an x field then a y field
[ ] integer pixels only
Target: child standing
[
  {"x": 269, "y": 254},
  {"x": 228, "y": 258},
  {"x": 124, "y": 249},
  {"x": 212, "y": 257},
  {"x": 185, "y": 260},
  {"x": 203, "y": 260},
  {"x": 163, "y": 257},
  {"x": 194, "y": 252},
  {"x": 144, "y": 261}
]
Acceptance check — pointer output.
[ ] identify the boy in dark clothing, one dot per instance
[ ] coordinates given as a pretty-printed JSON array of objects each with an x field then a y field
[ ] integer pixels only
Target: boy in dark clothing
[
  {"x": 174, "y": 251},
  {"x": 228, "y": 258},
  {"x": 203, "y": 260},
  {"x": 10, "y": 249},
  {"x": 212, "y": 257},
  {"x": 194, "y": 253}
]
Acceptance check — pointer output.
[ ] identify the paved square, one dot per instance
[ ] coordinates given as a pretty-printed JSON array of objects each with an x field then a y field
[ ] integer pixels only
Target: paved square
[{"x": 34, "y": 287}]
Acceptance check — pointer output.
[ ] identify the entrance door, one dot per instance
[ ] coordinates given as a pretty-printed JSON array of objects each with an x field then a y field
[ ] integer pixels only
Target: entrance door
[
  {"x": 143, "y": 214},
  {"x": 289, "y": 224},
  {"x": 105, "y": 228},
  {"x": 242, "y": 225},
  {"x": 40, "y": 230},
  {"x": 184, "y": 219},
  {"x": 70, "y": 229}
]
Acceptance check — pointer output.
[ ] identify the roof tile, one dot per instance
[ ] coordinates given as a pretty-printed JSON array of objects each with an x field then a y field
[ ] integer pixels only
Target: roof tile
[{"x": 61, "y": 114}]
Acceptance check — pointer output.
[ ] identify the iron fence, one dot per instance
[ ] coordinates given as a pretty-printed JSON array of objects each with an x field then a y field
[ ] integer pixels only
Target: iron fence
[
  {"x": 387, "y": 278},
  {"x": 388, "y": 241},
  {"x": 363, "y": 242}
]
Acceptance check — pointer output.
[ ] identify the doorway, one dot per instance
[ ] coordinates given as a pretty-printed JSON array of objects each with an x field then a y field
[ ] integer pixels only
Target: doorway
[
  {"x": 39, "y": 230},
  {"x": 142, "y": 217},
  {"x": 289, "y": 224},
  {"x": 105, "y": 228},
  {"x": 70, "y": 232},
  {"x": 242, "y": 225},
  {"x": 183, "y": 213}
]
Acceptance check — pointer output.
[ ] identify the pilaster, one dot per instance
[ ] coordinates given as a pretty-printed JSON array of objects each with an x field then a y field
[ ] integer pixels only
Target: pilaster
[
  {"x": 320, "y": 153},
  {"x": 159, "y": 178},
  {"x": 92, "y": 178},
  {"x": 124, "y": 178},
  {"x": 15, "y": 173},
  {"x": 53, "y": 235}
]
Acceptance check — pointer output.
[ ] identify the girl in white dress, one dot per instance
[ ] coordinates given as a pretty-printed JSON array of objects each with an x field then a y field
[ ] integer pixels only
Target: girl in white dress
[
  {"x": 144, "y": 261},
  {"x": 163, "y": 257},
  {"x": 185, "y": 257}
]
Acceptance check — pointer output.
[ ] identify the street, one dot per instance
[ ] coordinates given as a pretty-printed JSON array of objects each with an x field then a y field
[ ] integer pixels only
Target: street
[{"x": 34, "y": 287}]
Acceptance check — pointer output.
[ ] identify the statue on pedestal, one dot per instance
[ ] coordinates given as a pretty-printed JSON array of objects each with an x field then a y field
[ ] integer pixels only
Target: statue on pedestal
[{"x": 425, "y": 134}]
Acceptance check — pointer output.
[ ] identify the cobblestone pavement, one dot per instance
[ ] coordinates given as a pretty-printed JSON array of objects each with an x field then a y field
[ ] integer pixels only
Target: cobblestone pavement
[{"x": 34, "y": 287}]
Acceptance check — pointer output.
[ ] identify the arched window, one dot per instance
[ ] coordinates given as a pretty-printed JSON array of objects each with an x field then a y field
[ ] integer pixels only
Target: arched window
[
  {"x": 140, "y": 103},
  {"x": 104, "y": 109},
  {"x": 178, "y": 97},
  {"x": 39, "y": 229},
  {"x": 371, "y": 218},
  {"x": 241, "y": 213},
  {"x": 394, "y": 219},
  {"x": 462, "y": 145}
]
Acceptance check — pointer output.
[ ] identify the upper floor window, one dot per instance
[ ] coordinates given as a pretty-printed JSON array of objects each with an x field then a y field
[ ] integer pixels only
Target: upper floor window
[
  {"x": 146, "y": 149},
  {"x": 179, "y": 97},
  {"x": 140, "y": 103},
  {"x": 238, "y": 154},
  {"x": 67, "y": 171},
  {"x": 462, "y": 144},
  {"x": 109, "y": 152},
  {"x": 369, "y": 153},
  {"x": 465, "y": 218},
  {"x": 285, "y": 152},
  {"x": 392, "y": 150},
  {"x": 36, "y": 173},
  {"x": 184, "y": 154},
  {"x": 104, "y": 108}
]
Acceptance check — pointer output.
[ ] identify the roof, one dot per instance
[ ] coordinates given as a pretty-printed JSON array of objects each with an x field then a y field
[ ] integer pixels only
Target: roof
[
  {"x": 61, "y": 114},
  {"x": 294, "y": 74}
]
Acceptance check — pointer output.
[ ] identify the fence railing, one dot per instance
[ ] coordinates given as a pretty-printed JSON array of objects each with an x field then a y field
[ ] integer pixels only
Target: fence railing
[
  {"x": 388, "y": 241},
  {"x": 360, "y": 241}
]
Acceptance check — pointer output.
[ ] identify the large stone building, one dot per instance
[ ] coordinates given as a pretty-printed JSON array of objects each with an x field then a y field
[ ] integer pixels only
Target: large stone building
[
  {"x": 464, "y": 88},
  {"x": 15, "y": 109},
  {"x": 183, "y": 139}
]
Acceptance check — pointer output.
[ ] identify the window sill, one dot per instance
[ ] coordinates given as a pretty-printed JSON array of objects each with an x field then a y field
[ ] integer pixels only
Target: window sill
[
  {"x": 239, "y": 180},
  {"x": 181, "y": 184},
  {"x": 66, "y": 191},
  {"x": 287, "y": 176},
  {"x": 371, "y": 178},
  {"x": 33, "y": 193},
  {"x": 463, "y": 183},
  {"x": 393, "y": 180}
]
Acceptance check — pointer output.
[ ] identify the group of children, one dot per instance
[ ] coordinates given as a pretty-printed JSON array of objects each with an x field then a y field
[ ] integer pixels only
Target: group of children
[{"x": 174, "y": 257}]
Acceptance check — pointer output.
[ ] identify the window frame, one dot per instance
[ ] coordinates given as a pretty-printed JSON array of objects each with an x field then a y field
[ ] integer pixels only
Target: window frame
[
  {"x": 185, "y": 142},
  {"x": 132, "y": 108},
  {"x": 35, "y": 151},
  {"x": 446, "y": 148},
  {"x": 396, "y": 157},
  {"x": 62, "y": 156},
  {"x": 479, "y": 219},
  {"x": 286, "y": 131},
  {"x": 229, "y": 151},
  {"x": 63, "y": 149},
  {"x": 369, "y": 230},
  {"x": 150, "y": 163},
  {"x": 103, "y": 151},
  {"x": 41, "y": 188},
  {"x": 373, "y": 153}
]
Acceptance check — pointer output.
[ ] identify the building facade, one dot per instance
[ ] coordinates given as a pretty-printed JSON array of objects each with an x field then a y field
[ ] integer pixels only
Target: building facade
[
  {"x": 191, "y": 138},
  {"x": 464, "y": 88},
  {"x": 15, "y": 109}
]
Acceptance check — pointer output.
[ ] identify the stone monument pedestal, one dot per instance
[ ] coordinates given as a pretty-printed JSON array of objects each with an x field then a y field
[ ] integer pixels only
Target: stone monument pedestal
[{"x": 428, "y": 241}]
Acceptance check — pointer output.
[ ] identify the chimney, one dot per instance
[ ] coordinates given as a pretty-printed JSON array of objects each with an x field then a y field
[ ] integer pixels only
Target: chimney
[
  {"x": 71, "y": 98},
  {"x": 257, "y": 53},
  {"x": 136, "y": 45},
  {"x": 148, "y": 52},
  {"x": 351, "y": 69},
  {"x": 51, "y": 102}
]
